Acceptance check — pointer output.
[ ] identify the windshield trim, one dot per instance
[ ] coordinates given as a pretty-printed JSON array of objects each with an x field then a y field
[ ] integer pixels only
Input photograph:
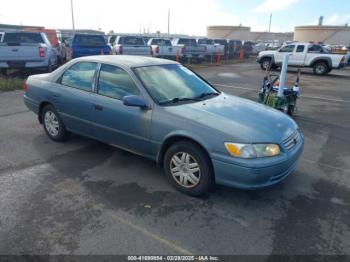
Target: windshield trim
[{"x": 133, "y": 69}]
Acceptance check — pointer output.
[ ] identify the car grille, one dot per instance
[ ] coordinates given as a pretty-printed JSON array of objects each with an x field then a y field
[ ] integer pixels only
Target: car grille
[{"x": 292, "y": 140}]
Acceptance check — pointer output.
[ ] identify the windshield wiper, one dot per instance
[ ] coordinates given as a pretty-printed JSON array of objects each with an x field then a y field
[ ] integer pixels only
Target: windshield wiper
[
  {"x": 207, "y": 94},
  {"x": 179, "y": 99}
]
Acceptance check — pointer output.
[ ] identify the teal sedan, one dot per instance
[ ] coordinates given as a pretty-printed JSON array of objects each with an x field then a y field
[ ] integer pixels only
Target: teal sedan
[{"x": 161, "y": 110}]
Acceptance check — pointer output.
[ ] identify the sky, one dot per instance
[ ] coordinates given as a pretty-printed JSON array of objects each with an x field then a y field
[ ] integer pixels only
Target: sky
[{"x": 186, "y": 16}]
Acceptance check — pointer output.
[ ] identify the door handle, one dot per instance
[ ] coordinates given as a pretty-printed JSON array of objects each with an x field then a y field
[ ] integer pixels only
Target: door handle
[{"x": 98, "y": 107}]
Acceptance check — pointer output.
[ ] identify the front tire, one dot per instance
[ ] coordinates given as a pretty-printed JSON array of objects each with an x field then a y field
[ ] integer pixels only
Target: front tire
[
  {"x": 53, "y": 125},
  {"x": 188, "y": 168},
  {"x": 265, "y": 63}
]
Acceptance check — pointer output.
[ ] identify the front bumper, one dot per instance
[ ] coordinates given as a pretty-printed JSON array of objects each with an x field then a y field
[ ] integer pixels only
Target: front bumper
[{"x": 258, "y": 173}]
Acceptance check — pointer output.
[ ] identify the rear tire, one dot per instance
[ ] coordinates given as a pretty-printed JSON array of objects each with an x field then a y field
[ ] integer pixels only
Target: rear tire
[
  {"x": 188, "y": 168},
  {"x": 321, "y": 68},
  {"x": 290, "y": 110},
  {"x": 53, "y": 124}
]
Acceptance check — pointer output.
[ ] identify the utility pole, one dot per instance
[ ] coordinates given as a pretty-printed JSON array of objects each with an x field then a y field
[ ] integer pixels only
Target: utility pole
[
  {"x": 168, "y": 22},
  {"x": 71, "y": 5},
  {"x": 270, "y": 22}
]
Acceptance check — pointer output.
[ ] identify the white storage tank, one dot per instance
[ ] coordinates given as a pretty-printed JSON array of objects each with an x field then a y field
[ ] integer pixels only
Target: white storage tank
[
  {"x": 328, "y": 34},
  {"x": 229, "y": 32}
]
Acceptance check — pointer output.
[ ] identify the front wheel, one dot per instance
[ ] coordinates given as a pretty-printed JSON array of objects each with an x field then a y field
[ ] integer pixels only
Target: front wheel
[
  {"x": 188, "y": 168},
  {"x": 53, "y": 125},
  {"x": 265, "y": 63}
]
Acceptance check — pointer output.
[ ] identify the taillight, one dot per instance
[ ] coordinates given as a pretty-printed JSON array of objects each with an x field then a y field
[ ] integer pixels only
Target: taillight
[
  {"x": 41, "y": 51},
  {"x": 25, "y": 87},
  {"x": 121, "y": 49},
  {"x": 157, "y": 50}
]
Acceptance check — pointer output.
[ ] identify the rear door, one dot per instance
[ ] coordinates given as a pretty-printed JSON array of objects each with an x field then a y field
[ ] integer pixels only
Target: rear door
[
  {"x": 124, "y": 126},
  {"x": 298, "y": 57},
  {"x": 75, "y": 97}
]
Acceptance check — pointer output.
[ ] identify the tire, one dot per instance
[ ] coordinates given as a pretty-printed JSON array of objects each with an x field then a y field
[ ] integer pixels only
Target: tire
[
  {"x": 290, "y": 110},
  {"x": 179, "y": 159},
  {"x": 53, "y": 124},
  {"x": 265, "y": 63},
  {"x": 321, "y": 68}
]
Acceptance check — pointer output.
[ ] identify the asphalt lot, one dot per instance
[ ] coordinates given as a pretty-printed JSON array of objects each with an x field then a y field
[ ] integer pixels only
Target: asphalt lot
[{"x": 83, "y": 197}]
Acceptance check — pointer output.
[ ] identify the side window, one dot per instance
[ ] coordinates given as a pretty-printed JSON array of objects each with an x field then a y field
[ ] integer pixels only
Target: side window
[
  {"x": 287, "y": 49},
  {"x": 116, "y": 83},
  {"x": 80, "y": 76},
  {"x": 300, "y": 48},
  {"x": 315, "y": 49}
]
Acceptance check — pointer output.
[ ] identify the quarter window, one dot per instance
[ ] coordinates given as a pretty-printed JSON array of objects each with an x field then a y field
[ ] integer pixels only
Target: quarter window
[
  {"x": 116, "y": 83},
  {"x": 80, "y": 76},
  {"x": 287, "y": 49}
]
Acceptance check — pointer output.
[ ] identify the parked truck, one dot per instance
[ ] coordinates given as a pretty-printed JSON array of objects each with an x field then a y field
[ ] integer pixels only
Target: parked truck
[
  {"x": 129, "y": 45},
  {"x": 190, "y": 49},
  {"x": 87, "y": 45},
  {"x": 212, "y": 49},
  {"x": 26, "y": 50},
  {"x": 161, "y": 47},
  {"x": 303, "y": 55}
]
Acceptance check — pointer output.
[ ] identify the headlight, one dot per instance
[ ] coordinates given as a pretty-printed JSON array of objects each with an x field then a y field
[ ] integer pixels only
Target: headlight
[{"x": 252, "y": 150}]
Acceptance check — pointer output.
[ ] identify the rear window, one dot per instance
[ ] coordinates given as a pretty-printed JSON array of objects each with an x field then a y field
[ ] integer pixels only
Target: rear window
[
  {"x": 131, "y": 40},
  {"x": 187, "y": 41},
  {"x": 161, "y": 42},
  {"x": 205, "y": 41},
  {"x": 220, "y": 41},
  {"x": 23, "y": 38},
  {"x": 89, "y": 40}
]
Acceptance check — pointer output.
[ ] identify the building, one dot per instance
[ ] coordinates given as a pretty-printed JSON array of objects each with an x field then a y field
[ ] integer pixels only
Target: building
[
  {"x": 333, "y": 35},
  {"x": 244, "y": 33},
  {"x": 5, "y": 27}
]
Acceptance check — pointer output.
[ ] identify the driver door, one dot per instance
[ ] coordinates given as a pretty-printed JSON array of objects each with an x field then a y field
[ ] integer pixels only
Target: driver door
[
  {"x": 288, "y": 49},
  {"x": 124, "y": 126}
]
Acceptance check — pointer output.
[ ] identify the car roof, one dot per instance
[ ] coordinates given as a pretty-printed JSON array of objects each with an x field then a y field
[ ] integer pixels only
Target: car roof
[{"x": 127, "y": 60}]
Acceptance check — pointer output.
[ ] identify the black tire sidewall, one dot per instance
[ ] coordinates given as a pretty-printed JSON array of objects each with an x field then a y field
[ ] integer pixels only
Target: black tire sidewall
[
  {"x": 263, "y": 61},
  {"x": 62, "y": 133},
  {"x": 325, "y": 66},
  {"x": 207, "y": 176}
]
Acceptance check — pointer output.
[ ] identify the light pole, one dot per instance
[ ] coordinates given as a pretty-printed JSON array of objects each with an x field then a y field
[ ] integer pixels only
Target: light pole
[{"x": 71, "y": 5}]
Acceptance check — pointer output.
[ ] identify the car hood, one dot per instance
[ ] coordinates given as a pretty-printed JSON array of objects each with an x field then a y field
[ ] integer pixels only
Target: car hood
[
  {"x": 237, "y": 119},
  {"x": 267, "y": 52}
]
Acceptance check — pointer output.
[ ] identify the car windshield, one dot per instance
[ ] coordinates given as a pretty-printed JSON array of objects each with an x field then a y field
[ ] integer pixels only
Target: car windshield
[{"x": 174, "y": 83}]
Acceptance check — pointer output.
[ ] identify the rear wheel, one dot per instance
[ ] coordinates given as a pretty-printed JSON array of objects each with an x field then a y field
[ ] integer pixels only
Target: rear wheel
[
  {"x": 53, "y": 125},
  {"x": 188, "y": 168},
  {"x": 321, "y": 68},
  {"x": 290, "y": 109}
]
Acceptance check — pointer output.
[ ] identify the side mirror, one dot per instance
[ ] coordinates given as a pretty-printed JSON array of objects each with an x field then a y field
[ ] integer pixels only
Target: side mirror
[{"x": 136, "y": 101}]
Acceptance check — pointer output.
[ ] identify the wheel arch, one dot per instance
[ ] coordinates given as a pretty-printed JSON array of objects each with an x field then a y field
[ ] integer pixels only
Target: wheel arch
[
  {"x": 171, "y": 140},
  {"x": 271, "y": 57},
  {"x": 41, "y": 107},
  {"x": 327, "y": 60}
]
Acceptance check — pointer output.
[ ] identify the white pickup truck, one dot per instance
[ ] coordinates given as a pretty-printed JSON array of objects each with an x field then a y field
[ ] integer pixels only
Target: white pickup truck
[
  {"x": 190, "y": 49},
  {"x": 211, "y": 48},
  {"x": 303, "y": 55},
  {"x": 130, "y": 45},
  {"x": 163, "y": 48}
]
